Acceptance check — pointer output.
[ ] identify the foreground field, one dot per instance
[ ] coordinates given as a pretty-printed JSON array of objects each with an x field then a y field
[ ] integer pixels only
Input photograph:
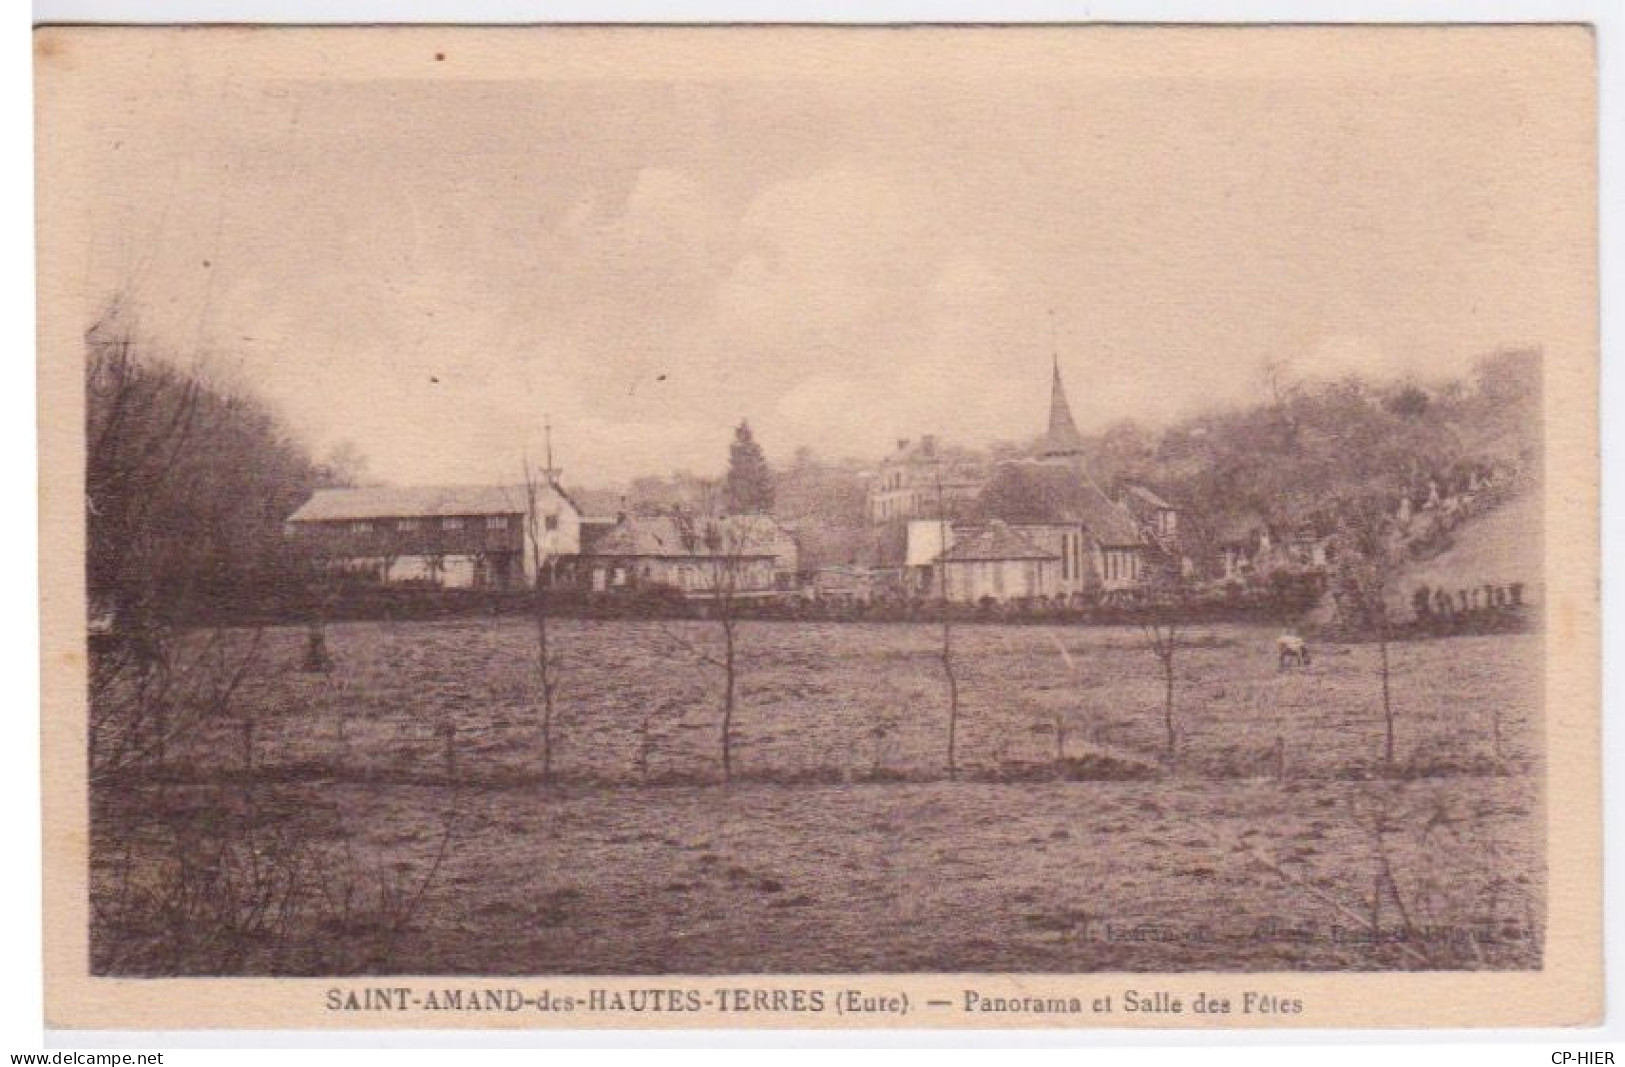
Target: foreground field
[
  {"x": 1270, "y": 842},
  {"x": 834, "y": 702}
]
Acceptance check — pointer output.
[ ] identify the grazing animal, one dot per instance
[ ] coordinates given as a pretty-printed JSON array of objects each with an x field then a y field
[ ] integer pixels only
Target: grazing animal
[{"x": 1291, "y": 647}]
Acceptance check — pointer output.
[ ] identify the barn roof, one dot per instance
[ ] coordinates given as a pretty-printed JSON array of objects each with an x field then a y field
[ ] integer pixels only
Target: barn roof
[
  {"x": 996, "y": 542},
  {"x": 416, "y": 501}
]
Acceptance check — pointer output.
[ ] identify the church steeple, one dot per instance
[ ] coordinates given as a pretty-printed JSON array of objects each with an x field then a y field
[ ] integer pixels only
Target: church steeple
[{"x": 1062, "y": 441}]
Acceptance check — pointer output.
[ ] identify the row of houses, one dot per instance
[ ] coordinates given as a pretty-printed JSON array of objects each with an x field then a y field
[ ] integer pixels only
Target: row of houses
[
  {"x": 485, "y": 537},
  {"x": 1024, "y": 529},
  {"x": 1072, "y": 540}
]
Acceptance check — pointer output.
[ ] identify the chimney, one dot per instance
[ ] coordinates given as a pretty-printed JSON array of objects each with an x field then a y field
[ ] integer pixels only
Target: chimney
[
  {"x": 928, "y": 444},
  {"x": 902, "y": 444}
]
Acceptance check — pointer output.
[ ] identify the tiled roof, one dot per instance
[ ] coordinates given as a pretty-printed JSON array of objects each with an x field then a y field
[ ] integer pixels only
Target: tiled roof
[
  {"x": 1108, "y": 523},
  {"x": 996, "y": 542},
  {"x": 391, "y": 502},
  {"x": 662, "y": 535},
  {"x": 1148, "y": 497},
  {"x": 419, "y": 501},
  {"x": 1048, "y": 492}
]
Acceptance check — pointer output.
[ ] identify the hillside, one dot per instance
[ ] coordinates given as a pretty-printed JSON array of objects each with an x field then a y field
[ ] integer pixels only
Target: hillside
[{"x": 1500, "y": 547}]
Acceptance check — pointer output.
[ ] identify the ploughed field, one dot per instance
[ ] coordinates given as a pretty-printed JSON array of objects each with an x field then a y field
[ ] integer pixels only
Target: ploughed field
[{"x": 404, "y": 787}]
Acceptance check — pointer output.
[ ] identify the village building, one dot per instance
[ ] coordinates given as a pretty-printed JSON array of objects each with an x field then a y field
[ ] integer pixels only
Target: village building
[
  {"x": 1158, "y": 518},
  {"x": 1046, "y": 529},
  {"x": 451, "y": 536},
  {"x": 997, "y": 563},
  {"x": 914, "y": 477},
  {"x": 749, "y": 556},
  {"x": 1246, "y": 545},
  {"x": 1104, "y": 554},
  {"x": 1241, "y": 541}
]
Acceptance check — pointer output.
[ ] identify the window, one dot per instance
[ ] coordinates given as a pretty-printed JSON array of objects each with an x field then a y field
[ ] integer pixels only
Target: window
[
  {"x": 361, "y": 527},
  {"x": 551, "y": 522},
  {"x": 406, "y": 524},
  {"x": 496, "y": 522},
  {"x": 452, "y": 522}
]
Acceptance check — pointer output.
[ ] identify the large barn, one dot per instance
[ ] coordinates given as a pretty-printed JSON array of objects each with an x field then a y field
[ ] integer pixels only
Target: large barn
[{"x": 453, "y": 536}]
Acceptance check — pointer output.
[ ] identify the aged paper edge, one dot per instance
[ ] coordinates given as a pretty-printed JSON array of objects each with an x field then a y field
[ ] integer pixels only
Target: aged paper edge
[{"x": 1568, "y": 991}]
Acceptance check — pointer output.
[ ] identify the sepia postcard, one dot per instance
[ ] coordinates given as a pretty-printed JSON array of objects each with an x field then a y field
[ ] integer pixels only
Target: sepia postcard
[{"x": 1067, "y": 526}]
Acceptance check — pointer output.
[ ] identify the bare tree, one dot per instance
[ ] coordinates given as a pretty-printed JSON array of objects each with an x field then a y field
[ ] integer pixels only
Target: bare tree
[
  {"x": 947, "y": 652},
  {"x": 537, "y": 544},
  {"x": 1161, "y": 621},
  {"x": 726, "y": 544},
  {"x": 727, "y": 550},
  {"x": 184, "y": 491},
  {"x": 1368, "y": 549}
]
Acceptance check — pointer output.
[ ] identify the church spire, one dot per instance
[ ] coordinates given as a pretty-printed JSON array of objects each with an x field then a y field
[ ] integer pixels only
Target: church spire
[{"x": 1062, "y": 441}]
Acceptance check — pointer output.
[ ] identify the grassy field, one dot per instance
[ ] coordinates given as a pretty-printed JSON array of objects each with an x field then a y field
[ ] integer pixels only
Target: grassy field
[{"x": 1267, "y": 843}]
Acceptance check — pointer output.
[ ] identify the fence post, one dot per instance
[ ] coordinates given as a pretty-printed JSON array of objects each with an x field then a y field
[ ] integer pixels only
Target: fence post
[{"x": 449, "y": 731}]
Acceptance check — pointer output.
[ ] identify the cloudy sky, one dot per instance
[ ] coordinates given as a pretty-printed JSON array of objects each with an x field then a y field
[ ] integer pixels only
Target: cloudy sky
[{"x": 424, "y": 258}]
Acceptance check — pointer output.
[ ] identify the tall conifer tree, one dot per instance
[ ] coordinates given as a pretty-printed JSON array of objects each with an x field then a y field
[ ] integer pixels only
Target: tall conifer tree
[{"x": 749, "y": 488}]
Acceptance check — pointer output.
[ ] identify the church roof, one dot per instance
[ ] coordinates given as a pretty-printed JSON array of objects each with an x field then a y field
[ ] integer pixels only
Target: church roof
[
  {"x": 1063, "y": 438},
  {"x": 1033, "y": 491}
]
